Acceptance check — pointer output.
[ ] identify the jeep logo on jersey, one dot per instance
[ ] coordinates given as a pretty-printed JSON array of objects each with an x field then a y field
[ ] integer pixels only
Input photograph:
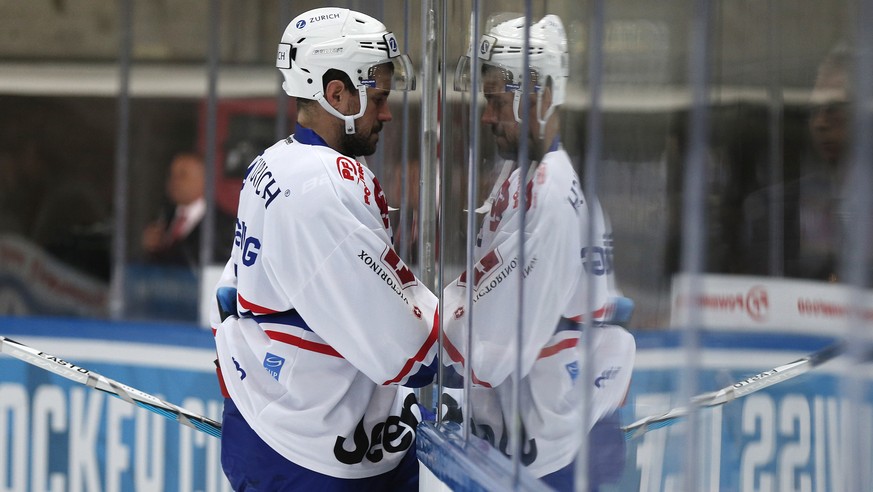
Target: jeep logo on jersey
[
  {"x": 273, "y": 364},
  {"x": 499, "y": 438},
  {"x": 403, "y": 274},
  {"x": 395, "y": 435}
]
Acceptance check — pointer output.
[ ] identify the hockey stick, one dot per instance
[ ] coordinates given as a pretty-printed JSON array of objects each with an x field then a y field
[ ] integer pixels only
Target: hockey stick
[
  {"x": 106, "y": 385},
  {"x": 736, "y": 390}
]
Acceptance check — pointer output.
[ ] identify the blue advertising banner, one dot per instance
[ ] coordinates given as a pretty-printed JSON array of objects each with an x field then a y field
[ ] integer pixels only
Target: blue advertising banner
[
  {"x": 790, "y": 436},
  {"x": 793, "y": 435},
  {"x": 57, "y": 435}
]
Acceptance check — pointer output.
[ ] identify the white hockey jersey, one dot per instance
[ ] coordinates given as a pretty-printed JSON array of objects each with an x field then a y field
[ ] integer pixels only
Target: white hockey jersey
[
  {"x": 330, "y": 322},
  {"x": 559, "y": 263}
]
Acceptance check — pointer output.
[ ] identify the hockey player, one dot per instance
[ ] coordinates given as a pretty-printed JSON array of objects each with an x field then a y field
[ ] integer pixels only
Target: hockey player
[
  {"x": 320, "y": 324},
  {"x": 560, "y": 262}
]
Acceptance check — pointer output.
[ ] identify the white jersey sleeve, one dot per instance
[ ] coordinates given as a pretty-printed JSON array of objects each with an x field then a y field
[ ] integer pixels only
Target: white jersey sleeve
[
  {"x": 326, "y": 252},
  {"x": 551, "y": 273},
  {"x": 563, "y": 264}
]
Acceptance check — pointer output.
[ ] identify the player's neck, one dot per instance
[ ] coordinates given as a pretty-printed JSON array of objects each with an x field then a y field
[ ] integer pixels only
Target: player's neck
[{"x": 327, "y": 127}]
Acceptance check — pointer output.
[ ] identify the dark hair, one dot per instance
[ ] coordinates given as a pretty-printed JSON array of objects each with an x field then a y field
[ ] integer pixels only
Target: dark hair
[{"x": 328, "y": 77}]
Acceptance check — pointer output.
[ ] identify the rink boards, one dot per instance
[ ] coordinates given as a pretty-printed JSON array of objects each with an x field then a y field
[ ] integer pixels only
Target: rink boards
[
  {"x": 785, "y": 437},
  {"x": 58, "y": 435},
  {"x": 791, "y": 436}
]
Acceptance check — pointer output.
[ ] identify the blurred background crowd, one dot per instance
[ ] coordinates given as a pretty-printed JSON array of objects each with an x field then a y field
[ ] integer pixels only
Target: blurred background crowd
[{"x": 101, "y": 102}]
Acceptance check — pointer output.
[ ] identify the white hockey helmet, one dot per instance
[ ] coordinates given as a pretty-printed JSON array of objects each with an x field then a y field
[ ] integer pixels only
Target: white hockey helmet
[
  {"x": 342, "y": 39},
  {"x": 502, "y": 47}
]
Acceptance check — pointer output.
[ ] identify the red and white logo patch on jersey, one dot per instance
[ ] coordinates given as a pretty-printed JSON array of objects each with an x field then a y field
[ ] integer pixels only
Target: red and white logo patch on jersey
[
  {"x": 401, "y": 272},
  {"x": 382, "y": 203},
  {"x": 346, "y": 168},
  {"x": 483, "y": 268},
  {"x": 353, "y": 171}
]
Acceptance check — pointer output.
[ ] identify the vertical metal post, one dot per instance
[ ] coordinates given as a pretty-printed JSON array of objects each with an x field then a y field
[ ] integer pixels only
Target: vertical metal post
[
  {"x": 281, "y": 96},
  {"x": 856, "y": 257},
  {"x": 441, "y": 202},
  {"x": 404, "y": 227},
  {"x": 212, "y": 67},
  {"x": 427, "y": 195},
  {"x": 472, "y": 187},
  {"x": 515, "y": 424},
  {"x": 593, "y": 154},
  {"x": 693, "y": 237},
  {"x": 428, "y": 161},
  {"x": 122, "y": 164},
  {"x": 775, "y": 194}
]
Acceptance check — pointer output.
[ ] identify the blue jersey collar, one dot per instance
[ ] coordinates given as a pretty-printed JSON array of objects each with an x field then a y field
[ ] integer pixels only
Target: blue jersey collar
[
  {"x": 307, "y": 136},
  {"x": 556, "y": 143}
]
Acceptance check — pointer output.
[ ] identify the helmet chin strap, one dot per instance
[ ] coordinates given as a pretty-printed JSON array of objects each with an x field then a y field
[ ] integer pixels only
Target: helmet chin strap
[{"x": 349, "y": 120}]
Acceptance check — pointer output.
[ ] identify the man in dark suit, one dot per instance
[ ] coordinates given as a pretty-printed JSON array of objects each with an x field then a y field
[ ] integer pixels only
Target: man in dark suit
[
  {"x": 809, "y": 238},
  {"x": 174, "y": 238}
]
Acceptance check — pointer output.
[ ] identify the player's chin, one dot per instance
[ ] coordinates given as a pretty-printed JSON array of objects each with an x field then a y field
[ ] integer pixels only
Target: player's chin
[
  {"x": 505, "y": 150},
  {"x": 370, "y": 148}
]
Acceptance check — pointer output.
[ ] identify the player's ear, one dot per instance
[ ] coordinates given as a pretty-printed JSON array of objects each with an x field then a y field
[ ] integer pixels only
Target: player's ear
[{"x": 335, "y": 93}]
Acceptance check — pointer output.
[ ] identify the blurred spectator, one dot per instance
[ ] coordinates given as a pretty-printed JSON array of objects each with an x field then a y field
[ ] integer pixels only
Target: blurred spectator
[
  {"x": 174, "y": 238},
  {"x": 808, "y": 239}
]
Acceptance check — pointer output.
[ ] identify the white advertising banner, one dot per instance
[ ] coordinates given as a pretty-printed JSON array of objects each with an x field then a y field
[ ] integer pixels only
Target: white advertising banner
[{"x": 768, "y": 304}]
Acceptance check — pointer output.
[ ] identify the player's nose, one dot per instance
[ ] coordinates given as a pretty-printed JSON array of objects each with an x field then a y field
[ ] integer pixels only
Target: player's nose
[
  {"x": 488, "y": 115},
  {"x": 385, "y": 112}
]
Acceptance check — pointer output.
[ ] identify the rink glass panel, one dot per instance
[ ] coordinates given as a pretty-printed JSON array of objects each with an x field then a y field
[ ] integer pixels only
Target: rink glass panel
[{"x": 770, "y": 180}]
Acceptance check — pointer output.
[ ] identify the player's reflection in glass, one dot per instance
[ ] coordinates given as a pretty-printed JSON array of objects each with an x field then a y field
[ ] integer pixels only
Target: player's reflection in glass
[{"x": 559, "y": 265}]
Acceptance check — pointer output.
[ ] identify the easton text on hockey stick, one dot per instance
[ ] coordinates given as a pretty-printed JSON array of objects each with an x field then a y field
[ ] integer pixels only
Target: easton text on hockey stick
[
  {"x": 737, "y": 390},
  {"x": 92, "y": 379}
]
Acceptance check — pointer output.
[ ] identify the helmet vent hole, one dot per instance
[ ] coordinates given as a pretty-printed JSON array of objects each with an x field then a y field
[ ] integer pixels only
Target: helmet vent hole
[{"x": 308, "y": 81}]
